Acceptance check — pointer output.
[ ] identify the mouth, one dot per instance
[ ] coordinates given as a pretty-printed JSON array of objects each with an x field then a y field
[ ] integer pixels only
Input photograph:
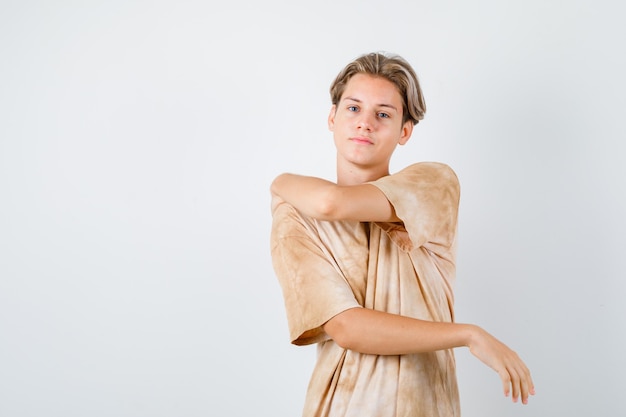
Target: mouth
[{"x": 362, "y": 140}]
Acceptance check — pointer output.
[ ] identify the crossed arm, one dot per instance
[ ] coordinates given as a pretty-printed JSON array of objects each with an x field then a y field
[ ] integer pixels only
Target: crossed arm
[
  {"x": 376, "y": 332},
  {"x": 325, "y": 200}
]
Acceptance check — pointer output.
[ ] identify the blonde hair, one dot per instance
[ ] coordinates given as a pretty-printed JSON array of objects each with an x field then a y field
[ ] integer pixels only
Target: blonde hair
[{"x": 393, "y": 68}]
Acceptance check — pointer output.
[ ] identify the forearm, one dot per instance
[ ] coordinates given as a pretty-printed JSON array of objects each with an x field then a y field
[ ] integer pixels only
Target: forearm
[
  {"x": 325, "y": 200},
  {"x": 375, "y": 332},
  {"x": 309, "y": 195}
]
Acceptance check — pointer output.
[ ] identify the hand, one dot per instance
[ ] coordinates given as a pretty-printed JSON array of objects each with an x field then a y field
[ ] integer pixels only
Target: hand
[{"x": 513, "y": 372}]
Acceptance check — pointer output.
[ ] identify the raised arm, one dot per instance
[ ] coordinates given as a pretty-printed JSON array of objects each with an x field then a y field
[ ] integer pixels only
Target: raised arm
[
  {"x": 325, "y": 200},
  {"x": 376, "y": 332}
]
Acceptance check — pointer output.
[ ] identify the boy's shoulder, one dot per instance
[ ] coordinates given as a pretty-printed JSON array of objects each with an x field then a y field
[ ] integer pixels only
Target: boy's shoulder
[{"x": 428, "y": 170}]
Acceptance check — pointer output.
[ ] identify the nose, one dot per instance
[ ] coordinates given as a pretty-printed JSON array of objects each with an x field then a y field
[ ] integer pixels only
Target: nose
[{"x": 365, "y": 122}]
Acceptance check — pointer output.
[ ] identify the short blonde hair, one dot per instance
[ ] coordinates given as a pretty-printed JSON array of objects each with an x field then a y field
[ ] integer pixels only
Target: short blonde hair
[{"x": 393, "y": 68}]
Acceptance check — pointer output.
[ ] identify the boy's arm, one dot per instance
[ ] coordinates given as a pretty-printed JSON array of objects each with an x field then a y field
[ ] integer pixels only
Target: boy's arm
[
  {"x": 375, "y": 332},
  {"x": 325, "y": 200}
]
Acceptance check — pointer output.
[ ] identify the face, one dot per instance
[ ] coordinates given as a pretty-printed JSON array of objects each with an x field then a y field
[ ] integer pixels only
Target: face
[{"x": 367, "y": 123}]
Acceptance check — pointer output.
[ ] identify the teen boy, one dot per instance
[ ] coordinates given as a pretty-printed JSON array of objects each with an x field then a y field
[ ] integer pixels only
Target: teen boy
[{"x": 367, "y": 264}]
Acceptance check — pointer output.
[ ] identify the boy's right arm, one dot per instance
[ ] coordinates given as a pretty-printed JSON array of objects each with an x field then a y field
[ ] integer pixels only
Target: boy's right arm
[{"x": 325, "y": 200}]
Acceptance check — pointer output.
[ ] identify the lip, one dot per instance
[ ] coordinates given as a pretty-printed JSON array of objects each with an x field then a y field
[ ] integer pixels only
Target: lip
[{"x": 362, "y": 140}]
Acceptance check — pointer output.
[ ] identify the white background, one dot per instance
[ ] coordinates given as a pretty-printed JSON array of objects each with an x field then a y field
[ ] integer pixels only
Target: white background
[{"x": 138, "y": 141}]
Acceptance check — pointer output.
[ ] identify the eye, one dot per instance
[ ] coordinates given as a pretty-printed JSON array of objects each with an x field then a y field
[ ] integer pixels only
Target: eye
[
  {"x": 383, "y": 115},
  {"x": 353, "y": 108}
]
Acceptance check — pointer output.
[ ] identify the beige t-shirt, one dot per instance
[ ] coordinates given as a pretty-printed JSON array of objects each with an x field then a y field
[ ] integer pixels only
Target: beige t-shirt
[{"x": 405, "y": 268}]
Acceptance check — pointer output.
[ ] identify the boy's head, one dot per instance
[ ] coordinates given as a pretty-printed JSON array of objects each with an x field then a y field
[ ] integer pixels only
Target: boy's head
[{"x": 393, "y": 68}]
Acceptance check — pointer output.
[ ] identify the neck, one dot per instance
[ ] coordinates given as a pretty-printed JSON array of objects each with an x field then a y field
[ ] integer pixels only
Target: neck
[{"x": 354, "y": 175}]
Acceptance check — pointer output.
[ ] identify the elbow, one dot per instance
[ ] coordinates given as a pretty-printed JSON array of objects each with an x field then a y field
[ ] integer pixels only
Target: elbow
[
  {"x": 340, "y": 330},
  {"x": 275, "y": 185},
  {"x": 342, "y": 339}
]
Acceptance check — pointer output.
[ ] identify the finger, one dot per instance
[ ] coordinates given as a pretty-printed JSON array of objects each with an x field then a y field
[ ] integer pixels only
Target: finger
[
  {"x": 528, "y": 387},
  {"x": 506, "y": 382},
  {"x": 525, "y": 390},
  {"x": 531, "y": 384},
  {"x": 515, "y": 384}
]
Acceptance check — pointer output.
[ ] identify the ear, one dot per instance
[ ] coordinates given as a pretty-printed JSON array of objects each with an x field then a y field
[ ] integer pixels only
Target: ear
[
  {"x": 331, "y": 118},
  {"x": 405, "y": 134}
]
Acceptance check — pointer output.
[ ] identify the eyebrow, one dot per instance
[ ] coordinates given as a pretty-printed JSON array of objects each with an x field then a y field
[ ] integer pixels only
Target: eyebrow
[{"x": 379, "y": 105}]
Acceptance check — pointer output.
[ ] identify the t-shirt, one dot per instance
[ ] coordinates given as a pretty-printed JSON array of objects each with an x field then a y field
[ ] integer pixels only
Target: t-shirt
[{"x": 406, "y": 268}]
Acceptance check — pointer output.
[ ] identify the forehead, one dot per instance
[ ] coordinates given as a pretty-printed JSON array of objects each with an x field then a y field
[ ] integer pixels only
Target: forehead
[{"x": 366, "y": 87}]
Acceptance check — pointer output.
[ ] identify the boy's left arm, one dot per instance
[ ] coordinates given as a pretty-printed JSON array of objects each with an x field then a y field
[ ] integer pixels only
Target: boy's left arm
[{"x": 325, "y": 200}]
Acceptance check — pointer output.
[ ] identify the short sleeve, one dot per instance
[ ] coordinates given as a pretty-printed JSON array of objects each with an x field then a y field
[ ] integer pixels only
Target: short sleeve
[
  {"x": 313, "y": 287},
  {"x": 425, "y": 197}
]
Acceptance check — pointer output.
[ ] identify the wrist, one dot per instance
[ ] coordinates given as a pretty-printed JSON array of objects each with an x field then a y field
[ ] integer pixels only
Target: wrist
[{"x": 471, "y": 335}]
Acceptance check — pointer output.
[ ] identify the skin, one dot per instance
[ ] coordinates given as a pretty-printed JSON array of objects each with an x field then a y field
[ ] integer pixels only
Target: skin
[{"x": 367, "y": 127}]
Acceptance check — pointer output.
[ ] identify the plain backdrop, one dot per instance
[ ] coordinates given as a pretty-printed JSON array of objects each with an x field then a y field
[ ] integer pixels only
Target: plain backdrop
[{"x": 138, "y": 141}]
